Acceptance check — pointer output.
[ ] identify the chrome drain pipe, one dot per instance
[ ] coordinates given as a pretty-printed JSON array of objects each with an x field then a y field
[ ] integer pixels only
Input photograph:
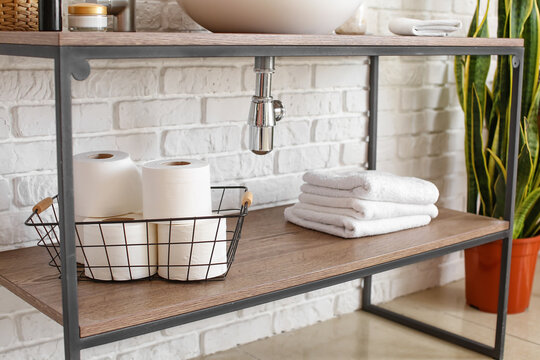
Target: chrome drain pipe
[{"x": 264, "y": 111}]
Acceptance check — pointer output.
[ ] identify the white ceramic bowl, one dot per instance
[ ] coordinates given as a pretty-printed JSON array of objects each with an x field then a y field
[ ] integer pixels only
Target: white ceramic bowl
[{"x": 270, "y": 16}]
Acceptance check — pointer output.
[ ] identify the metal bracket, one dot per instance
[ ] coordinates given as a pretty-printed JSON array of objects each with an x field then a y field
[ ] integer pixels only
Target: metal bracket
[
  {"x": 79, "y": 68},
  {"x": 515, "y": 61}
]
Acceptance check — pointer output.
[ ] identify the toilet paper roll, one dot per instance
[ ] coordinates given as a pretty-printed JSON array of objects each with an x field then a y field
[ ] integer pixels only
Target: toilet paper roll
[
  {"x": 176, "y": 188},
  {"x": 203, "y": 258},
  {"x": 108, "y": 257},
  {"x": 105, "y": 184}
]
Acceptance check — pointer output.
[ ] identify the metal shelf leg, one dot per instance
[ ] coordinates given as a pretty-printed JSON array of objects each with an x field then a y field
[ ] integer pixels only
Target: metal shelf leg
[
  {"x": 372, "y": 146},
  {"x": 497, "y": 351},
  {"x": 64, "y": 154},
  {"x": 373, "y": 109},
  {"x": 506, "y": 254}
]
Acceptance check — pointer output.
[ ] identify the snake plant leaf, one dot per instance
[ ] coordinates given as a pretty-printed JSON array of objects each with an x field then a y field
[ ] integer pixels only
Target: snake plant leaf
[
  {"x": 523, "y": 210},
  {"x": 498, "y": 162},
  {"x": 459, "y": 71},
  {"x": 525, "y": 170},
  {"x": 460, "y": 60},
  {"x": 532, "y": 221},
  {"x": 535, "y": 231},
  {"x": 502, "y": 94},
  {"x": 479, "y": 162},
  {"x": 499, "y": 188},
  {"x": 502, "y": 83},
  {"x": 475, "y": 74},
  {"x": 487, "y": 161},
  {"x": 531, "y": 127},
  {"x": 502, "y": 14},
  {"x": 532, "y": 141},
  {"x": 494, "y": 148},
  {"x": 499, "y": 197},
  {"x": 519, "y": 12},
  {"x": 503, "y": 29},
  {"x": 494, "y": 123},
  {"x": 488, "y": 107},
  {"x": 531, "y": 60},
  {"x": 492, "y": 120},
  {"x": 474, "y": 20},
  {"x": 477, "y": 67},
  {"x": 472, "y": 189},
  {"x": 505, "y": 95}
]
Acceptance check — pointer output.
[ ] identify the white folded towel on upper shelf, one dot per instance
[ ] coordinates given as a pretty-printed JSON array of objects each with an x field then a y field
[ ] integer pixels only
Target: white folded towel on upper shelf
[
  {"x": 348, "y": 227},
  {"x": 407, "y": 26},
  {"x": 371, "y": 185},
  {"x": 363, "y": 209}
]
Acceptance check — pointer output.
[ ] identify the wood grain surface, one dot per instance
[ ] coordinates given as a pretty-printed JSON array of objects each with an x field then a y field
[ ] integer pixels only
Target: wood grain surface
[
  {"x": 164, "y": 39},
  {"x": 272, "y": 255}
]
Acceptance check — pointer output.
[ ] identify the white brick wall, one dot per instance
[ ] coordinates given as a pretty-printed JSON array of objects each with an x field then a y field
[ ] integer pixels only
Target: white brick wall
[
  {"x": 153, "y": 113},
  {"x": 198, "y": 108}
]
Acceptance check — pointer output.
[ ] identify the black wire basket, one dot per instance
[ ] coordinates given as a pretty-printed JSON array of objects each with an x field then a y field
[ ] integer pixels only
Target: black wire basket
[{"x": 129, "y": 248}]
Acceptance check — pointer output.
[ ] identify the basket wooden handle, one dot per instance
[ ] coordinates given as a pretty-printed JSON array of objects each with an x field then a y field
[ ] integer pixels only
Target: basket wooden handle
[
  {"x": 42, "y": 205},
  {"x": 247, "y": 199}
]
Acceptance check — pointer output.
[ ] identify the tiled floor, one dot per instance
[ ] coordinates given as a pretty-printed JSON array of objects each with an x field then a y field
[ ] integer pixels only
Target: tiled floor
[{"x": 364, "y": 336}]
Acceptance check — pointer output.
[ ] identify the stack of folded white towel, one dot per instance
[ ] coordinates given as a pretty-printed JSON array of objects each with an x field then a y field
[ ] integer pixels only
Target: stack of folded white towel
[
  {"x": 363, "y": 203},
  {"x": 415, "y": 27}
]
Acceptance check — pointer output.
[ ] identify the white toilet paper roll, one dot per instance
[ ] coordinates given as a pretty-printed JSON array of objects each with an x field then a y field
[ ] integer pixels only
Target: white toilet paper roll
[
  {"x": 176, "y": 188},
  {"x": 105, "y": 184},
  {"x": 107, "y": 254},
  {"x": 175, "y": 259}
]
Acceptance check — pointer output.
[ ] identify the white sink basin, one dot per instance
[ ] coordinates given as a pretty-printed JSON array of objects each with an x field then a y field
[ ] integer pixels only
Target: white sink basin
[{"x": 270, "y": 16}]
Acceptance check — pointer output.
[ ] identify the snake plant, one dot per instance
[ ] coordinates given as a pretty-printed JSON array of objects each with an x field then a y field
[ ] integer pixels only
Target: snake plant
[{"x": 487, "y": 114}]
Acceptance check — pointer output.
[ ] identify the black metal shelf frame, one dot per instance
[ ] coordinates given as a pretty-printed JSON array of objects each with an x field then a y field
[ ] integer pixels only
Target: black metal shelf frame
[{"x": 72, "y": 61}]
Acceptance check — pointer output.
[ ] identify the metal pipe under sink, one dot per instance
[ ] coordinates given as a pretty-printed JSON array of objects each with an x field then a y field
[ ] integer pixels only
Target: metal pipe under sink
[{"x": 264, "y": 111}]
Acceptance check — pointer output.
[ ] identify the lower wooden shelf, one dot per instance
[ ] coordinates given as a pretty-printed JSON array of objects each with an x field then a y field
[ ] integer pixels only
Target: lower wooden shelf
[{"x": 272, "y": 255}]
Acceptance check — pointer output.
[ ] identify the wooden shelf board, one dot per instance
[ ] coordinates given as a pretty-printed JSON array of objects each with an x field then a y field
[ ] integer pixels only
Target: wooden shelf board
[
  {"x": 273, "y": 255},
  {"x": 208, "y": 39}
]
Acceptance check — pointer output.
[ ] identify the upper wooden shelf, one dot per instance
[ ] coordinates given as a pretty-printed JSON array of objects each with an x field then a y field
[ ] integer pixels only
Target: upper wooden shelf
[
  {"x": 210, "y": 39},
  {"x": 272, "y": 255}
]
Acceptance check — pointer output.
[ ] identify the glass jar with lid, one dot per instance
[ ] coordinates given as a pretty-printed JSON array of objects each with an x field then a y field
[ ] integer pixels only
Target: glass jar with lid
[{"x": 87, "y": 17}]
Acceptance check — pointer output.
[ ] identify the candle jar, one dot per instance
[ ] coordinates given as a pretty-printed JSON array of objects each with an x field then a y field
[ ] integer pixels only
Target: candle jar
[{"x": 87, "y": 17}]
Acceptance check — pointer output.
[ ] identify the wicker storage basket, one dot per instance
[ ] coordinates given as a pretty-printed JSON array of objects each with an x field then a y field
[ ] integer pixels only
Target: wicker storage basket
[{"x": 19, "y": 15}]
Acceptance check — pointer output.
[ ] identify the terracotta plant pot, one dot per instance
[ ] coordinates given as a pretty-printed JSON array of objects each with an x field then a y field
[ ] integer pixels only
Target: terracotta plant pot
[{"x": 482, "y": 271}]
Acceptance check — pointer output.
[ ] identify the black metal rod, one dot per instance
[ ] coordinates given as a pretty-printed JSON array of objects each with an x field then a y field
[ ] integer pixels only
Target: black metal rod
[
  {"x": 366, "y": 291},
  {"x": 372, "y": 146},
  {"x": 506, "y": 253},
  {"x": 176, "y": 51},
  {"x": 37, "y": 51},
  {"x": 431, "y": 330},
  {"x": 513, "y": 137},
  {"x": 64, "y": 144},
  {"x": 96, "y": 52},
  {"x": 373, "y": 111},
  {"x": 502, "y": 305}
]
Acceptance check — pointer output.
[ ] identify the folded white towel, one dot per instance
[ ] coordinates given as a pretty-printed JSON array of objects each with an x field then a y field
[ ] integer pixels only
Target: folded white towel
[
  {"x": 347, "y": 227},
  {"x": 407, "y": 26},
  {"x": 371, "y": 185},
  {"x": 363, "y": 209}
]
